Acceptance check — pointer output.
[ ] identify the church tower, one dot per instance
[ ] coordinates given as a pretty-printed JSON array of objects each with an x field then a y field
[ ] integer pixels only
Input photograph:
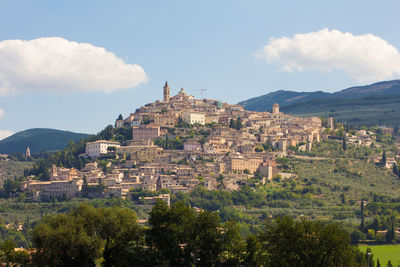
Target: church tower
[
  {"x": 166, "y": 92},
  {"x": 275, "y": 108},
  {"x": 28, "y": 152}
]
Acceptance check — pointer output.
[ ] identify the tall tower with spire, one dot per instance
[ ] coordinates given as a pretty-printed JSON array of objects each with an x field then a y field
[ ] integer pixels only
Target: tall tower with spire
[
  {"x": 28, "y": 152},
  {"x": 166, "y": 92}
]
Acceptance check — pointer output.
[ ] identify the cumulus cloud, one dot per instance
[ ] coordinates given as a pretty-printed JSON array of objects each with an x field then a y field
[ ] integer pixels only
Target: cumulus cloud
[
  {"x": 54, "y": 64},
  {"x": 363, "y": 57},
  {"x": 1, "y": 113},
  {"x": 5, "y": 134}
]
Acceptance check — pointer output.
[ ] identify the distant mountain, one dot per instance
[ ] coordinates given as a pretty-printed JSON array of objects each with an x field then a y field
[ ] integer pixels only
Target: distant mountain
[
  {"x": 38, "y": 140},
  {"x": 381, "y": 88},
  {"x": 378, "y": 103},
  {"x": 285, "y": 98}
]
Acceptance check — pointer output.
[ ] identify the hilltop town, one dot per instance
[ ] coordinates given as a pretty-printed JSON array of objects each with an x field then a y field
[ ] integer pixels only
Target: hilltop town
[{"x": 181, "y": 142}]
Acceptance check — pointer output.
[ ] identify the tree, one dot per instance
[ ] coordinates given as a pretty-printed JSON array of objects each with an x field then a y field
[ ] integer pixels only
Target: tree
[
  {"x": 356, "y": 236},
  {"x": 362, "y": 225},
  {"x": 10, "y": 257},
  {"x": 344, "y": 143},
  {"x": 384, "y": 158},
  {"x": 107, "y": 133},
  {"x": 253, "y": 255},
  {"x": 369, "y": 257},
  {"x": 86, "y": 234},
  {"x": 305, "y": 243},
  {"x": 64, "y": 240},
  {"x": 169, "y": 232},
  {"x": 239, "y": 124},
  {"x": 343, "y": 198},
  {"x": 111, "y": 149},
  {"x": 233, "y": 246},
  {"x": 232, "y": 124},
  {"x": 206, "y": 239},
  {"x": 258, "y": 149},
  {"x": 395, "y": 169},
  {"x": 11, "y": 186},
  {"x": 390, "y": 234},
  {"x": 180, "y": 237},
  {"x": 119, "y": 229}
]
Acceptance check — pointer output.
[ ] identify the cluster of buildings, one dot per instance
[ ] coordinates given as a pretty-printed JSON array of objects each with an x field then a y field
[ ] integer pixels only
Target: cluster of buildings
[
  {"x": 361, "y": 138},
  {"x": 4, "y": 157},
  {"x": 222, "y": 146}
]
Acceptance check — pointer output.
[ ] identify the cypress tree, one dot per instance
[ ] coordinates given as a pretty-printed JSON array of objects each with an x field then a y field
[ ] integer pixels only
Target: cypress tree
[
  {"x": 344, "y": 143},
  {"x": 384, "y": 157},
  {"x": 362, "y": 225},
  {"x": 390, "y": 234},
  {"x": 239, "y": 124},
  {"x": 232, "y": 124}
]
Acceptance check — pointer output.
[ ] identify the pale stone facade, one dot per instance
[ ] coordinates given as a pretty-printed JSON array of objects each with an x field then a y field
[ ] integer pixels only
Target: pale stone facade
[
  {"x": 97, "y": 148},
  {"x": 193, "y": 117}
]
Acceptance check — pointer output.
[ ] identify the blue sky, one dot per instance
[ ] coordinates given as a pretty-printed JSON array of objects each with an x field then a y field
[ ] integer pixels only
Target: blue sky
[{"x": 223, "y": 46}]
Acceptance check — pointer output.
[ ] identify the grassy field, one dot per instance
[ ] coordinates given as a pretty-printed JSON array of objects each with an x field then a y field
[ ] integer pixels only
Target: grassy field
[{"x": 384, "y": 253}]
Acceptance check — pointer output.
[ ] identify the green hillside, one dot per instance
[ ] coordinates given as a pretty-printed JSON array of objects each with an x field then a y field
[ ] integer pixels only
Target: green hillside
[
  {"x": 38, "y": 140},
  {"x": 369, "y": 111}
]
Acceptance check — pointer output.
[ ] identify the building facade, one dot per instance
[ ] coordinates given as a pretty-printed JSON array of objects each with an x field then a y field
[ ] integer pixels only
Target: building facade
[
  {"x": 145, "y": 132},
  {"x": 97, "y": 148},
  {"x": 193, "y": 117}
]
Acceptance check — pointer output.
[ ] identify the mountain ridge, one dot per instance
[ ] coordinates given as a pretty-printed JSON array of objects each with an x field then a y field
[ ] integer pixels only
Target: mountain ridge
[
  {"x": 38, "y": 140},
  {"x": 348, "y": 105},
  {"x": 287, "y": 97}
]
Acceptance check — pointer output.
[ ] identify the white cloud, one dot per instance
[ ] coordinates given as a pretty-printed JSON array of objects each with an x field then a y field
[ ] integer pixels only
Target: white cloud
[
  {"x": 1, "y": 113},
  {"x": 363, "y": 57},
  {"x": 5, "y": 134},
  {"x": 58, "y": 65}
]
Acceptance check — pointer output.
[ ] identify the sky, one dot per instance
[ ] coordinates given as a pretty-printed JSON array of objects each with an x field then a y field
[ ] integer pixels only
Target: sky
[{"x": 77, "y": 65}]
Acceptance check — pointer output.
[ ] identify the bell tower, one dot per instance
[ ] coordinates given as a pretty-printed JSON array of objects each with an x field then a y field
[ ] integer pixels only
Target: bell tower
[{"x": 166, "y": 92}]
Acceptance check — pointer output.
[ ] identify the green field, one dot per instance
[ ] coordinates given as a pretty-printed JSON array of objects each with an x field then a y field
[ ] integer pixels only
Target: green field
[{"x": 384, "y": 253}]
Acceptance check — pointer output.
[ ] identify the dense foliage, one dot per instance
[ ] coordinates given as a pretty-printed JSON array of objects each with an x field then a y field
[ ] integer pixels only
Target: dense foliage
[{"x": 180, "y": 236}]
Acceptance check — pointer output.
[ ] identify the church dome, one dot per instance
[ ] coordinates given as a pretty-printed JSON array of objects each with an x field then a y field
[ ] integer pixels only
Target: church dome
[{"x": 182, "y": 92}]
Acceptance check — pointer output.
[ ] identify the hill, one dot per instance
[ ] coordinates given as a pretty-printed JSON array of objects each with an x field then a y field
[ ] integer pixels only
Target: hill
[
  {"x": 377, "y": 103},
  {"x": 38, "y": 140}
]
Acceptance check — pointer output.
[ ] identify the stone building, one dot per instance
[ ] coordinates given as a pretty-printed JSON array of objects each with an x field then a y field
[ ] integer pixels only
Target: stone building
[
  {"x": 97, "y": 148},
  {"x": 145, "y": 132},
  {"x": 275, "y": 108}
]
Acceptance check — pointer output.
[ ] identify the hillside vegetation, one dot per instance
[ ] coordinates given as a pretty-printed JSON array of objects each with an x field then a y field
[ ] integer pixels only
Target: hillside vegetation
[
  {"x": 12, "y": 169},
  {"x": 368, "y": 111}
]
